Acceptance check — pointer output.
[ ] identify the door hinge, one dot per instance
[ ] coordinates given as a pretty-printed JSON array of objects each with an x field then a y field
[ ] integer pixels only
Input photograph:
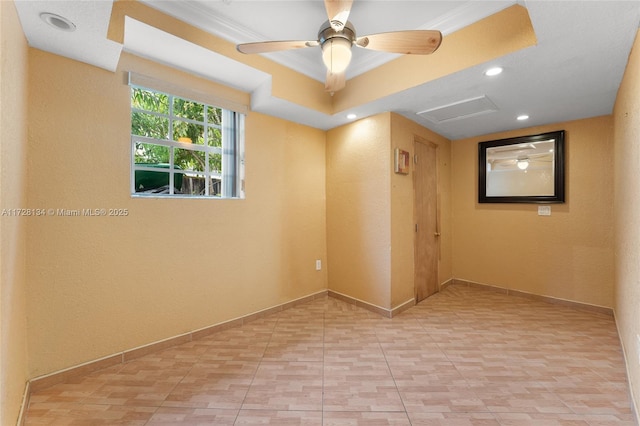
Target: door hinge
[
  {"x": 415, "y": 159},
  {"x": 416, "y": 227}
]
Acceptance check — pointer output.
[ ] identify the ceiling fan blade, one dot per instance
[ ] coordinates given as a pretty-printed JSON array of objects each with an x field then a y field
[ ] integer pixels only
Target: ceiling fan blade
[
  {"x": 417, "y": 42},
  {"x": 273, "y": 46},
  {"x": 338, "y": 12},
  {"x": 334, "y": 81}
]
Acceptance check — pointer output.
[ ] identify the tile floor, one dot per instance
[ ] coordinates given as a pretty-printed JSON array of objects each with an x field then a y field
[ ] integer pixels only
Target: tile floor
[{"x": 465, "y": 356}]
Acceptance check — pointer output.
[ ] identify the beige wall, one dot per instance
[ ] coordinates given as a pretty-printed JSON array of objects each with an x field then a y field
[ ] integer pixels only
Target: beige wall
[
  {"x": 13, "y": 161},
  {"x": 626, "y": 117},
  {"x": 403, "y": 134},
  {"x": 100, "y": 285},
  {"x": 358, "y": 210},
  {"x": 568, "y": 255},
  {"x": 370, "y": 210}
]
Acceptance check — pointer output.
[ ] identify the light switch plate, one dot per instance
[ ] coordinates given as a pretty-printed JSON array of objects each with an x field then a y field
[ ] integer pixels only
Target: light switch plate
[
  {"x": 318, "y": 265},
  {"x": 544, "y": 210}
]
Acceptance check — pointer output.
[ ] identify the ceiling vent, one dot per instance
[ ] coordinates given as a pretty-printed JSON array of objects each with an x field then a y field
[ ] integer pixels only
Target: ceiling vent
[{"x": 459, "y": 110}]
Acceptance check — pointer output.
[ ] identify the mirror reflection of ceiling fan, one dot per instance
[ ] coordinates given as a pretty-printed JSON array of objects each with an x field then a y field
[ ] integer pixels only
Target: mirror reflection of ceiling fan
[
  {"x": 511, "y": 152},
  {"x": 337, "y": 36}
]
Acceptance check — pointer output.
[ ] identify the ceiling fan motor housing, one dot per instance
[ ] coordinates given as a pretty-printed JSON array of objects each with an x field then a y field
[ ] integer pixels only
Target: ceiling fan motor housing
[{"x": 327, "y": 33}]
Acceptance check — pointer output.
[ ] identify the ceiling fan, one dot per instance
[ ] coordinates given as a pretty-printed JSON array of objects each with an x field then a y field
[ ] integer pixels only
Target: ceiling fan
[{"x": 337, "y": 36}]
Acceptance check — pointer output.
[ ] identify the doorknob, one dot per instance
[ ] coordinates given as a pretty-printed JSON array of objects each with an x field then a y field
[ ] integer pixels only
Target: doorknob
[{"x": 436, "y": 234}]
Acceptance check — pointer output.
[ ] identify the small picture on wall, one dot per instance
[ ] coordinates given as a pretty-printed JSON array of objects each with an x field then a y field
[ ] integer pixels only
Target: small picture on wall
[{"x": 402, "y": 161}]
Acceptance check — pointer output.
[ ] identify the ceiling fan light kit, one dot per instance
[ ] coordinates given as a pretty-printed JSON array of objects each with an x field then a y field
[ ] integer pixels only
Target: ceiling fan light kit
[
  {"x": 522, "y": 163},
  {"x": 336, "y": 55},
  {"x": 337, "y": 37},
  {"x": 336, "y": 46}
]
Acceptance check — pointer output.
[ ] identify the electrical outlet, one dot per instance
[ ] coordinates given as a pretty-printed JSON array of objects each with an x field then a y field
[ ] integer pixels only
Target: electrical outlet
[
  {"x": 544, "y": 210},
  {"x": 318, "y": 265}
]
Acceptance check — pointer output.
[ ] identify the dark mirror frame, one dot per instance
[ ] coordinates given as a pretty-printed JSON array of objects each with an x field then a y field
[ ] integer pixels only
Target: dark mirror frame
[{"x": 558, "y": 193}]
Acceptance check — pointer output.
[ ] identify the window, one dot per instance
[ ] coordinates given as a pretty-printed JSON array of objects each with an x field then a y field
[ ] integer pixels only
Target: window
[{"x": 184, "y": 148}]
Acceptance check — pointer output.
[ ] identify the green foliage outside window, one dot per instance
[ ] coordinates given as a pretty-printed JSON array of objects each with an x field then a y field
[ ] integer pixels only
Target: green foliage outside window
[{"x": 152, "y": 117}]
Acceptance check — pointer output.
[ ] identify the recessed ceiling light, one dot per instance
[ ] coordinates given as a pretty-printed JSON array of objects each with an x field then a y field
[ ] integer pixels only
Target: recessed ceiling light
[
  {"x": 493, "y": 71},
  {"x": 523, "y": 117},
  {"x": 58, "y": 22},
  {"x": 351, "y": 116}
]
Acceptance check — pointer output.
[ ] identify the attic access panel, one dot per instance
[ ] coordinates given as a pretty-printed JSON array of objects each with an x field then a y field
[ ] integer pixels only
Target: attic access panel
[{"x": 458, "y": 110}]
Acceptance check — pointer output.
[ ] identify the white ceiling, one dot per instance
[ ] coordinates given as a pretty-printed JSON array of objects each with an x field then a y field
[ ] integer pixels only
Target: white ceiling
[{"x": 573, "y": 72}]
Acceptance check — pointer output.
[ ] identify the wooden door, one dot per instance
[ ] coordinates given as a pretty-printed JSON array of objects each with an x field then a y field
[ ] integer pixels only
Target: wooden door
[{"x": 427, "y": 231}]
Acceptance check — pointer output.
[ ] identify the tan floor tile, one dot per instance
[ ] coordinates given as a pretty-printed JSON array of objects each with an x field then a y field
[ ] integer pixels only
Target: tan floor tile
[
  {"x": 375, "y": 398},
  {"x": 442, "y": 399},
  {"x": 524, "y": 419},
  {"x": 277, "y": 418},
  {"x": 199, "y": 417},
  {"x": 210, "y": 391},
  {"x": 453, "y": 419},
  {"x": 356, "y": 375},
  {"x": 276, "y": 373},
  {"x": 294, "y": 349},
  {"x": 292, "y": 399},
  {"x": 87, "y": 414},
  {"x": 354, "y": 352},
  {"x": 365, "y": 418},
  {"x": 285, "y": 386},
  {"x": 409, "y": 377}
]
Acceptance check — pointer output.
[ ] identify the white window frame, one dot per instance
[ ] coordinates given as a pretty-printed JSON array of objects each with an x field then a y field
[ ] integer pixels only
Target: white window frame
[{"x": 231, "y": 151}]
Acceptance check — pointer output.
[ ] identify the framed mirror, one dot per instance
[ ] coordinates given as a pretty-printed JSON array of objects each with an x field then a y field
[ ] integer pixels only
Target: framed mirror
[{"x": 526, "y": 169}]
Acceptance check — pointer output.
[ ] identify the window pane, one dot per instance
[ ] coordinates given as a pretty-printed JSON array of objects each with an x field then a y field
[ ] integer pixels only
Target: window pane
[
  {"x": 193, "y": 185},
  {"x": 215, "y": 187},
  {"x": 215, "y": 163},
  {"x": 152, "y": 182},
  {"x": 214, "y": 137},
  {"x": 147, "y": 153},
  {"x": 182, "y": 129},
  {"x": 186, "y": 159},
  {"x": 188, "y": 109},
  {"x": 149, "y": 125},
  {"x": 149, "y": 101},
  {"x": 214, "y": 115}
]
